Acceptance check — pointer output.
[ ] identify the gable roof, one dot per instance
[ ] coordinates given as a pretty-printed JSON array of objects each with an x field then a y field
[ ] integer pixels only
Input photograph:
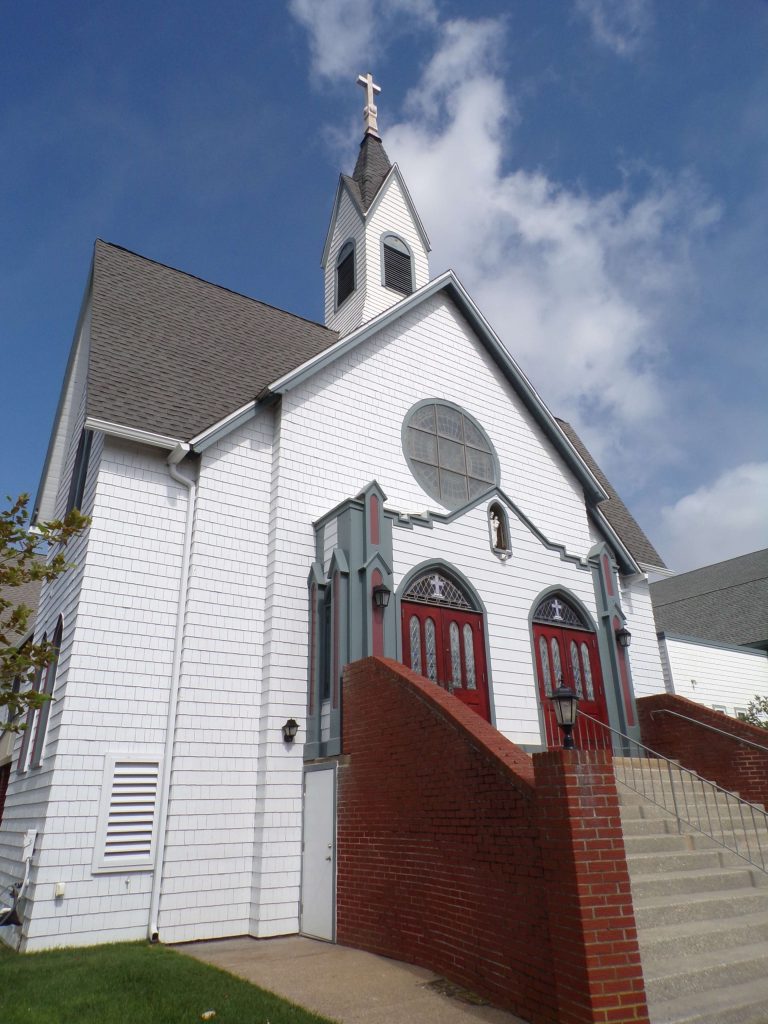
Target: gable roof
[
  {"x": 173, "y": 353},
  {"x": 725, "y": 603},
  {"x": 614, "y": 509},
  {"x": 176, "y": 358}
]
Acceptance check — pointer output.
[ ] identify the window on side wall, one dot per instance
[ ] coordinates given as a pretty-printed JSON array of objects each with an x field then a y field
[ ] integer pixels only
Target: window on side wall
[
  {"x": 80, "y": 471},
  {"x": 345, "y": 273},
  {"x": 49, "y": 681}
]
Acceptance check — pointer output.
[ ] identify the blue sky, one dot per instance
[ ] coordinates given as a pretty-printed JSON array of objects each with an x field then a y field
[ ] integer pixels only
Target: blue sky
[{"x": 596, "y": 172}]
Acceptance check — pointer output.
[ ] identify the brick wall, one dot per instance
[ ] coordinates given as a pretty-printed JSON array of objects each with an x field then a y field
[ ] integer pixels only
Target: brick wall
[
  {"x": 447, "y": 841},
  {"x": 721, "y": 759}
]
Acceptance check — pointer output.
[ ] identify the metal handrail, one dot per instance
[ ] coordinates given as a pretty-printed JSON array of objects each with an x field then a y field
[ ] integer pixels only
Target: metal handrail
[
  {"x": 695, "y": 802},
  {"x": 712, "y": 728}
]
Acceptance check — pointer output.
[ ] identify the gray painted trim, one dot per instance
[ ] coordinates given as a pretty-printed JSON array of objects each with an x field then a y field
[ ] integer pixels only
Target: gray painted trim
[
  {"x": 449, "y": 569},
  {"x": 341, "y": 187},
  {"x": 450, "y": 284},
  {"x": 382, "y": 238},
  {"x": 698, "y": 642},
  {"x": 409, "y": 520},
  {"x": 627, "y": 561},
  {"x": 451, "y": 405},
  {"x": 395, "y": 172}
]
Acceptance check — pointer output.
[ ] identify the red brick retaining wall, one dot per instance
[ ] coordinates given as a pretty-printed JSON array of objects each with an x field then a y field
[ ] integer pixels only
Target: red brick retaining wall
[
  {"x": 721, "y": 759},
  {"x": 448, "y": 837}
]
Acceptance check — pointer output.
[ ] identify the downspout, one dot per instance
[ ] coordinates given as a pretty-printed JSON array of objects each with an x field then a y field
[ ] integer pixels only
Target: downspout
[{"x": 178, "y": 453}]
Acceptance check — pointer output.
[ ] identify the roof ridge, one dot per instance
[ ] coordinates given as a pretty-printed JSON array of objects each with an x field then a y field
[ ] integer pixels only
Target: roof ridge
[
  {"x": 701, "y": 593},
  {"x": 214, "y": 284}
]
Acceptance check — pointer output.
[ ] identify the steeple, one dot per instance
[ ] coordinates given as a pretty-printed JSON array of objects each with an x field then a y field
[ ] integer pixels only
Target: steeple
[
  {"x": 376, "y": 250},
  {"x": 371, "y": 168}
]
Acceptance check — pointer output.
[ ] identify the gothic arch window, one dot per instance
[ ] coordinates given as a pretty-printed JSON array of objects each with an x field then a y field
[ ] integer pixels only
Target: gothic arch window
[
  {"x": 449, "y": 453},
  {"x": 556, "y": 610},
  {"x": 435, "y": 587},
  {"x": 498, "y": 526},
  {"x": 345, "y": 272},
  {"x": 397, "y": 265}
]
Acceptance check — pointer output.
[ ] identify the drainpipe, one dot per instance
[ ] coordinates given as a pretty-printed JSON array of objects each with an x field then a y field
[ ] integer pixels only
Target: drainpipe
[{"x": 178, "y": 453}]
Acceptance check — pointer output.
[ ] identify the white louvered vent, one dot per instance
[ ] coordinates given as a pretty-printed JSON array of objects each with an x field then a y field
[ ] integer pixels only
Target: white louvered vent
[{"x": 127, "y": 823}]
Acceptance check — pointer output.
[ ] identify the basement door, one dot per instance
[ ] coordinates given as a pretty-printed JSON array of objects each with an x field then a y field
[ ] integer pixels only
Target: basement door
[
  {"x": 567, "y": 655},
  {"x": 318, "y": 865},
  {"x": 447, "y": 645}
]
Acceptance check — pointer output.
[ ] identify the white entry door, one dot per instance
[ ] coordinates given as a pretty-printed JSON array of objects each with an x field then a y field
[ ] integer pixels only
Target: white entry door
[{"x": 318, "y": 876}]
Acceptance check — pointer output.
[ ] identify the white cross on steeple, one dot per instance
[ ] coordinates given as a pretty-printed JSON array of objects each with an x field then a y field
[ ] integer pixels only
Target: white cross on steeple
[{"x": 370, "y": 111}]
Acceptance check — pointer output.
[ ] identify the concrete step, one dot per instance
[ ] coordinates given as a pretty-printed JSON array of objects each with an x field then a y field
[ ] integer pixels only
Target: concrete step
[
  {"x": 661, "y": 910},
  {"x": 745, "y": 1003},
  {"x": 675, "y": 883},
  {"x": 666, "y": 942},
  {"x": 654, "y": 862},
  {"x": 706, "y": 971},
  {"x": 636, "y": 825},
  {"x": 665, "y": 841}
]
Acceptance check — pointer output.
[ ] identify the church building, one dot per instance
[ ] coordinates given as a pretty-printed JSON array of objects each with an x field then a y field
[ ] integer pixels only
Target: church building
[{"x": 272, "y": 499}]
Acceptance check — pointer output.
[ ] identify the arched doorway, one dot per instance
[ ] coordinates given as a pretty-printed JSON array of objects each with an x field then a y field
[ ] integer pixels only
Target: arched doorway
[
  {"x": 566, "y": 652},
  {"x": 444, "y": 637}
]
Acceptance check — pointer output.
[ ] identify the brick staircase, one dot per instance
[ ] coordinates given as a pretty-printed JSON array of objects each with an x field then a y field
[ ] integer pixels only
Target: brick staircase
[{"x": 702, "y": 917}]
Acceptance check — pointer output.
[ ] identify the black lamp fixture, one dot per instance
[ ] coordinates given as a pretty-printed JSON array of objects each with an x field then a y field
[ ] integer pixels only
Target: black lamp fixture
[
  {"x": 381, "y": 595},
  {"x": 565, "y": 702},
  {"x": 623, "y": 637},
  {"x": 290, "y": 729}
]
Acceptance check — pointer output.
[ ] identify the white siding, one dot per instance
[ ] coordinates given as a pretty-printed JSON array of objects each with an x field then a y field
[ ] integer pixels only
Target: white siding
[
  {"x": 716, "y": 676},
  {"x": 349, "y": 225},
  {"x": 390, "y": 213},
  {"x": 644, "y": 660},
  {"x": 219, "y": 749}
]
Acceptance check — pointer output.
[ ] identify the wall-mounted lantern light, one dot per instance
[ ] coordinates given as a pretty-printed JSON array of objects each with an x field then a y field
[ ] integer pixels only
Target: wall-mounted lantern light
[
  {"x": 623, "y": 637},
  {"x": 565, "y": 703},
  {"x": 381, "y": 595},
  {"x": 290, "y": 729}
]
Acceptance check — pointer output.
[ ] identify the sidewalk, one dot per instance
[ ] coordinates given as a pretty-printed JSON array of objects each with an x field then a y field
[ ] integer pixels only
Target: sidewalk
[{"x": 344, "y": 984}]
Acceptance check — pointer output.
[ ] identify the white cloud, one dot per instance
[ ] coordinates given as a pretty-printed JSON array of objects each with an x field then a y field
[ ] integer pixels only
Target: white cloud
[
  {"x": 345, "y": 35},
  {"x": 621, "y": 25},
  {"x": 718, "y": 520},
  {"x": 575, "y": 285}
]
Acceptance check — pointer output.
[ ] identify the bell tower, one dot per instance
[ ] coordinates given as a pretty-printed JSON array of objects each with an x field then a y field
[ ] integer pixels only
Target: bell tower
[{"x": 376, "y": 249}]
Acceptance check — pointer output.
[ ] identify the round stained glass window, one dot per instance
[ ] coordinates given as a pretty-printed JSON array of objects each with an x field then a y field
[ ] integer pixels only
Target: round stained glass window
[{"x": 449, "y": 453}]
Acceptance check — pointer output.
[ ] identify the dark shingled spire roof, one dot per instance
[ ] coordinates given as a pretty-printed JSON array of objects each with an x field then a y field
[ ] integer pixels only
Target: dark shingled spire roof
[{"x": 371, "y": 169}]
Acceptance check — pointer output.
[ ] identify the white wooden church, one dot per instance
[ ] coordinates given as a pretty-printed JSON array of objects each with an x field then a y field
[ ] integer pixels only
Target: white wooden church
[{"x": 271, "y": 499}]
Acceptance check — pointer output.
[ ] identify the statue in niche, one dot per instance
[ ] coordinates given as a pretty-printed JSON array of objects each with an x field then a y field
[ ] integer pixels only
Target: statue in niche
[{"x": 497, "y": 522}]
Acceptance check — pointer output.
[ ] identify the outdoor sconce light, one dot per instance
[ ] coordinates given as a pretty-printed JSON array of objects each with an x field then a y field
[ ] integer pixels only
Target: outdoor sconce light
[
  {"x": 290, "y": 729},
  {"x": 381, "y": 595},
  {"x": 565, "y": 702},
  {"x": 623, "y": 637}
]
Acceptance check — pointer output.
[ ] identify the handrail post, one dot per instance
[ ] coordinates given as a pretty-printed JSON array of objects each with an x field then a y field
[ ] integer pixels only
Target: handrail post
[{"x": 674, "y": 798}]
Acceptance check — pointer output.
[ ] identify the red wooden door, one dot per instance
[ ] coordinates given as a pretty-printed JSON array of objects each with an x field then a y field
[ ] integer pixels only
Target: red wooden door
[
  {"x": 569, "y": 657},
  {"x": 447, "y": 645}
]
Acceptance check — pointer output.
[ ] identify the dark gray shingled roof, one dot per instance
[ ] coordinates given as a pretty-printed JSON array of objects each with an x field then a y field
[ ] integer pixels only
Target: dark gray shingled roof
[
  {"x": 371, "y": 169},
  {"x": 725, "y": 603},
  {"x": 29, "y": 594},
  {"x": 173, "y": 354},
  {"x": 614, "y": 509}
]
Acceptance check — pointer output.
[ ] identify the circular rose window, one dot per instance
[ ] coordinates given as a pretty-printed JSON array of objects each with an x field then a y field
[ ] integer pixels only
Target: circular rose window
[{"x": 449, "y": 453}]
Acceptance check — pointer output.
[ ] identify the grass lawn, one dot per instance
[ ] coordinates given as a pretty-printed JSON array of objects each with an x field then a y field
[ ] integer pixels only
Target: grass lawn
[{"x": 131, "y": 983}]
